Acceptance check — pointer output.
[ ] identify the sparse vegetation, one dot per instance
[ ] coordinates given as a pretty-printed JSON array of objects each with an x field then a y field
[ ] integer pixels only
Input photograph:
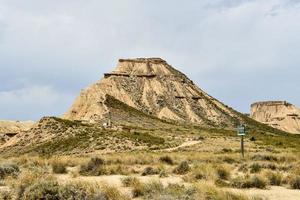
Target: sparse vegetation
[
  {"x": 59, "y": 168},
  {"x": 182, "y": 168},
  {"x": 295, "y": 182},
  {"x": 166, "y": 159},
  {"x": 223, "y": 173},
  {"x": 255, "y": 168},
  {"x": 249, "y": 182},
  {"x": 95, "y": 167},
  {"x": 150, "y": 171},
  {"x": 8, "y": 170}
]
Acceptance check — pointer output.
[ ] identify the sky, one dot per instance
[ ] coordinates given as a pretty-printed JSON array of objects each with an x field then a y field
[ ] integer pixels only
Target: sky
[{"x": 238, "y": 51}]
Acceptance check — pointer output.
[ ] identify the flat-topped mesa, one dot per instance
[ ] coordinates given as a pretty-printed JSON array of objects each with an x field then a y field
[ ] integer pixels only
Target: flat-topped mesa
[
  {"x": 143, "y": 67},
  {"x": 271, "y": 103},
  {"x": 144, "y": 60},
  {"x": 278, "y": 114},
  {"x": 154, "y": 87}
]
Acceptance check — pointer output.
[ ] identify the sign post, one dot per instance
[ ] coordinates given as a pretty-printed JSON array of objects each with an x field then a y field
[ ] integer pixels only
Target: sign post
[{"x": 241, "y": 131}]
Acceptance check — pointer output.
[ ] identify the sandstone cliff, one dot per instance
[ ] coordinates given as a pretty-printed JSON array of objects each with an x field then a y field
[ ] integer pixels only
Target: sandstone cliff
[
  {"x": 278, "y": 114},
  {"x": 9, "y": 129},
  {"x": 154, "y": 87}
]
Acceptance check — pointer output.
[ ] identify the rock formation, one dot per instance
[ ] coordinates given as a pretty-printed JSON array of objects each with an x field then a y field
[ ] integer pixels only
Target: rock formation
[
  {"x": 278, "y": 114},
  {"x": 154, "y": 87},
  {"x": 9, "y": 129}
]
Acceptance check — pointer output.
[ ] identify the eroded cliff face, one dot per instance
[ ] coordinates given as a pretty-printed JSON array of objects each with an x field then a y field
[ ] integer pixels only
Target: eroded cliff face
[
  {"x": 152, "y": 86},
  {"x": 9, "y": 129},
  {"x": 278, "y": 114}
]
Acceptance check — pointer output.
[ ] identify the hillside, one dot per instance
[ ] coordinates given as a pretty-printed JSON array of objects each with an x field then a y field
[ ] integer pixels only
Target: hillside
[
  {"x": 145, "y": 104},
  {"x": 154, "y": 87}
]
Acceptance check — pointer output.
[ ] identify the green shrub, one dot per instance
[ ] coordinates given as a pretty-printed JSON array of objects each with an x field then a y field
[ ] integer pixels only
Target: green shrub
[
  {"x": 59, "y": 168},
  {"x": 166, "y": 159},
  {"x": 295, "y": 182},
  {"x": 182, "y": 168},
  {"x": 255, "y": 168},
  {"x": 9, "y": 170},
  {"x": 150, "y": 171},
  {"x": 95, "y": 167}
]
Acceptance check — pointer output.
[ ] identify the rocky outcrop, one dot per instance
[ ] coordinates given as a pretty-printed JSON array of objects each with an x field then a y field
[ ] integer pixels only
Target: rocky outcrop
[
  {"x": 154, "y": 87},
  {"x": 9, "y": 129},
  {"x": 278, "y": 114}
]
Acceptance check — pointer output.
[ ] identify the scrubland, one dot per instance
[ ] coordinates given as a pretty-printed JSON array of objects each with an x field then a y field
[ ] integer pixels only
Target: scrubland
[{"x": 181, "y": 174}]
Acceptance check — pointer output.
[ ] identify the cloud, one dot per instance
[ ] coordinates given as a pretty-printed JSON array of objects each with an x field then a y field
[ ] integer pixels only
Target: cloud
[
  {"x": 33, "y": 102},
  {"x": 229, "y": 48}
]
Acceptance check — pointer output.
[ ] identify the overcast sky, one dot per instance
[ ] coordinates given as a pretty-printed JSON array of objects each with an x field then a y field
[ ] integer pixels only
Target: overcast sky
[{"x": 236, "y": 50}]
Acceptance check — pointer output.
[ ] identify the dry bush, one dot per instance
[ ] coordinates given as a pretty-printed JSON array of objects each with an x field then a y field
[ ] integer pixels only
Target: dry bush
[
  {"x": 95, "y": 167},
  {"x": 118, "y": 169},
  {"x": 110, "y": 193},
  {"x": 206, "y": 191},
  {"x": 249, "y": 182},
  {"x": 223, "y": 173},
  {"x": 129, "y": 181},
  {"x": 274, "y": 178},
  {"x": 25, "y": 180},
  {"x": 166, "y": 159},
  {"x": 201, "y": 172},
  {"x": 182, "y": 168},
  {"x": 58, "y": 167},
  {"x": 6, "y": 195},
  {"x": 150, "y": 171},
  {"x": 31, "y": 162},
  {"x": 295, "y": 182}
]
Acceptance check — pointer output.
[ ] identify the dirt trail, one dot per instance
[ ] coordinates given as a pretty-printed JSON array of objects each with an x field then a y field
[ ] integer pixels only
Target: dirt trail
[
  {"x": 274, "y": 193},
  {"x": 185, "y": 144}
]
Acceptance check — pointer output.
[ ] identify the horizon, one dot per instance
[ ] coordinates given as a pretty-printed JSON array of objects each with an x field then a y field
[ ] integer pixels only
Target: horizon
[{"x": 239, "y": 52}]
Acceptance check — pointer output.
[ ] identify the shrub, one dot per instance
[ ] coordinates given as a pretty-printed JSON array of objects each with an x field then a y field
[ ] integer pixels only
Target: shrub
[
  {"x": 166, "y": 159},
  {"x": 255, "y": 168},
  {"x": 223, "y": 173},
  {"x": 59, "y": 168},
  {"x": 295, "y": 182},
  {"x": 182, "y": 168},
  {"x": 110, "y": 193},
  {"x": 74, "y": 191},
  {"x": 95, "y": 167},
  {"x": 252, "y": 182},
  {"x": 43, "y": 189},
  {"x": 129, "y": 181},
  {"x": 9, "y": 170},
  {"x": 142, "y": 189},
  {"x": 264, "y": 157},
  {"x": 225, "y": 150},
  {"x": 274, "y": 178},
  {"x": 150, "y": 171},
  {"x": 229, "y": 160}
]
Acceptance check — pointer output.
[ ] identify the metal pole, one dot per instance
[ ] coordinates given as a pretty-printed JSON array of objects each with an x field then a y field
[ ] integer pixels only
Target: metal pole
[{"x": 242, "y": 146}]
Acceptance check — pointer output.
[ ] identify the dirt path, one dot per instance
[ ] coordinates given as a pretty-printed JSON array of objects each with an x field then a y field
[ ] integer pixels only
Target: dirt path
[
  {"x": 185, "y": 144},
  {"x": 274, "y": 193}
]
